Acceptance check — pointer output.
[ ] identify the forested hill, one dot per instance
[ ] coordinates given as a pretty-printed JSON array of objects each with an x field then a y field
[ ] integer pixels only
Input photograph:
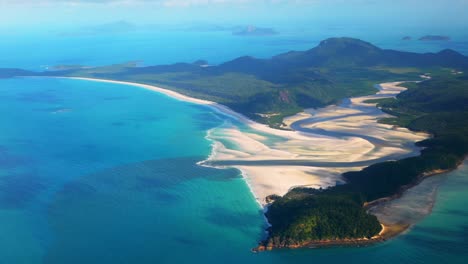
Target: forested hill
[
  {"x": 348, "y": 52},
  {"x": 287, "y": 83}
]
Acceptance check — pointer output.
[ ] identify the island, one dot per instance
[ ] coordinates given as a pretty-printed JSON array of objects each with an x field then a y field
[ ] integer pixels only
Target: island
[
  {"x": 64, "y": 67},
  {"x": 434, "y": 38},
  {"x": 427, "y": 97},
  {"x": 121, "y": 26},
  {"x": 254, "y": 31}
]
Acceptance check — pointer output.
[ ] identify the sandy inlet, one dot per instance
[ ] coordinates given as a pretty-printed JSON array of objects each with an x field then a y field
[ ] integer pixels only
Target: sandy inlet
[{"x": 321, "y": 145}]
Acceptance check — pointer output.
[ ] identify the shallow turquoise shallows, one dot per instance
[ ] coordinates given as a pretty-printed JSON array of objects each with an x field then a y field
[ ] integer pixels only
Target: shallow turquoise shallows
[{"x": 106, "y": 173}]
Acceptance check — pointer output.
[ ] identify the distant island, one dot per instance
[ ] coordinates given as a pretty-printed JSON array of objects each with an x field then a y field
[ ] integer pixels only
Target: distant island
[
  {"x": 268, "y": 90},
  {"x": 107, "y": 28},
  {"x": 64, "y": 67},
  {"x": 254, "y": 31},
  {"x": 428, "y": 38},
  {"x": 434, "y": 38},
  {"x": 201, "y": 63}
]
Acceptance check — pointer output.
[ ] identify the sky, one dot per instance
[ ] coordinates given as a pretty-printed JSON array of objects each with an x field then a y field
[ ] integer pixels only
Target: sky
[
  {"x": 76, "y": 29},
  {"x": 40, "y": 14}
]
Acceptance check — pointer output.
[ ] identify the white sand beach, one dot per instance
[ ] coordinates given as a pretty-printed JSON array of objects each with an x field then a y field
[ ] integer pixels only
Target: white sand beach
[
  {"x": 358, "y": 118},
  {"x": 167, "y": 92}
]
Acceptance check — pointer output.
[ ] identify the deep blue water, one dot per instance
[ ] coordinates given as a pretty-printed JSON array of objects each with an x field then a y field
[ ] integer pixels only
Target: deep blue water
[{"x": 105, "y": 173}]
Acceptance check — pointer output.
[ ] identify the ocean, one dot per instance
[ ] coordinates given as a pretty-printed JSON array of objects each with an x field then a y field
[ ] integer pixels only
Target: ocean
[
  {"x": 107, "y": 173},
  {"x": 41, "y": 50}
]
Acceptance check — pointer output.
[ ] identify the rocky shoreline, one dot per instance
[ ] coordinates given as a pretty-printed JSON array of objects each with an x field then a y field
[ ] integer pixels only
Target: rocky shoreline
[{"x": 387, "y": 233}]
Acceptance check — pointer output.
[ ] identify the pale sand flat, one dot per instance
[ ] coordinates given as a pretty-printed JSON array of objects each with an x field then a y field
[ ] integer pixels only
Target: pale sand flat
[{"x": 254, "y": 145}]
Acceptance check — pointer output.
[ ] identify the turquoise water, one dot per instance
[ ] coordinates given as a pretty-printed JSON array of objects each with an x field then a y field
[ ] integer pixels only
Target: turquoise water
[
  {"x": 106, "y": 173},
  {"x": 38, "y": 50}
]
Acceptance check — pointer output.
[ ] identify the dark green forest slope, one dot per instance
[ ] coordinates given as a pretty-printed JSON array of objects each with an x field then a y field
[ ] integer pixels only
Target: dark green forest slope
[{"x": 285, "y": 84}]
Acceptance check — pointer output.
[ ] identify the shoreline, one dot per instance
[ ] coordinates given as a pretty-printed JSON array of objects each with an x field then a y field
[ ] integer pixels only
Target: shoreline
[
  {"x": 224, "y": 110},
  {"x": 387, "y": 232},
  {"x": 170, "y": 93},
  {"x": 278, "y": 179},
  {"x": 373, "y": 204}
]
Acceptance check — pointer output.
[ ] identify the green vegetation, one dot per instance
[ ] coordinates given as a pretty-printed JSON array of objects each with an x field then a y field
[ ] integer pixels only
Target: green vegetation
[
  {"x": 437, "y": 106},
  {"x": 304, "y": 215},
  {"x": 267, "y": 90}
]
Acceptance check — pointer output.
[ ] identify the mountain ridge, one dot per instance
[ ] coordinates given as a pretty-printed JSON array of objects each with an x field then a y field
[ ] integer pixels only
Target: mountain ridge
[{"x": 284, "y": 84}]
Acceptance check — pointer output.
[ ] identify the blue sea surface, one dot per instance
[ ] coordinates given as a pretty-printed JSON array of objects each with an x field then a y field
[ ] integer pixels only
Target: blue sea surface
[
  {"x": 39, "y": 50},
  {"x": 106, "y": 173}
]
